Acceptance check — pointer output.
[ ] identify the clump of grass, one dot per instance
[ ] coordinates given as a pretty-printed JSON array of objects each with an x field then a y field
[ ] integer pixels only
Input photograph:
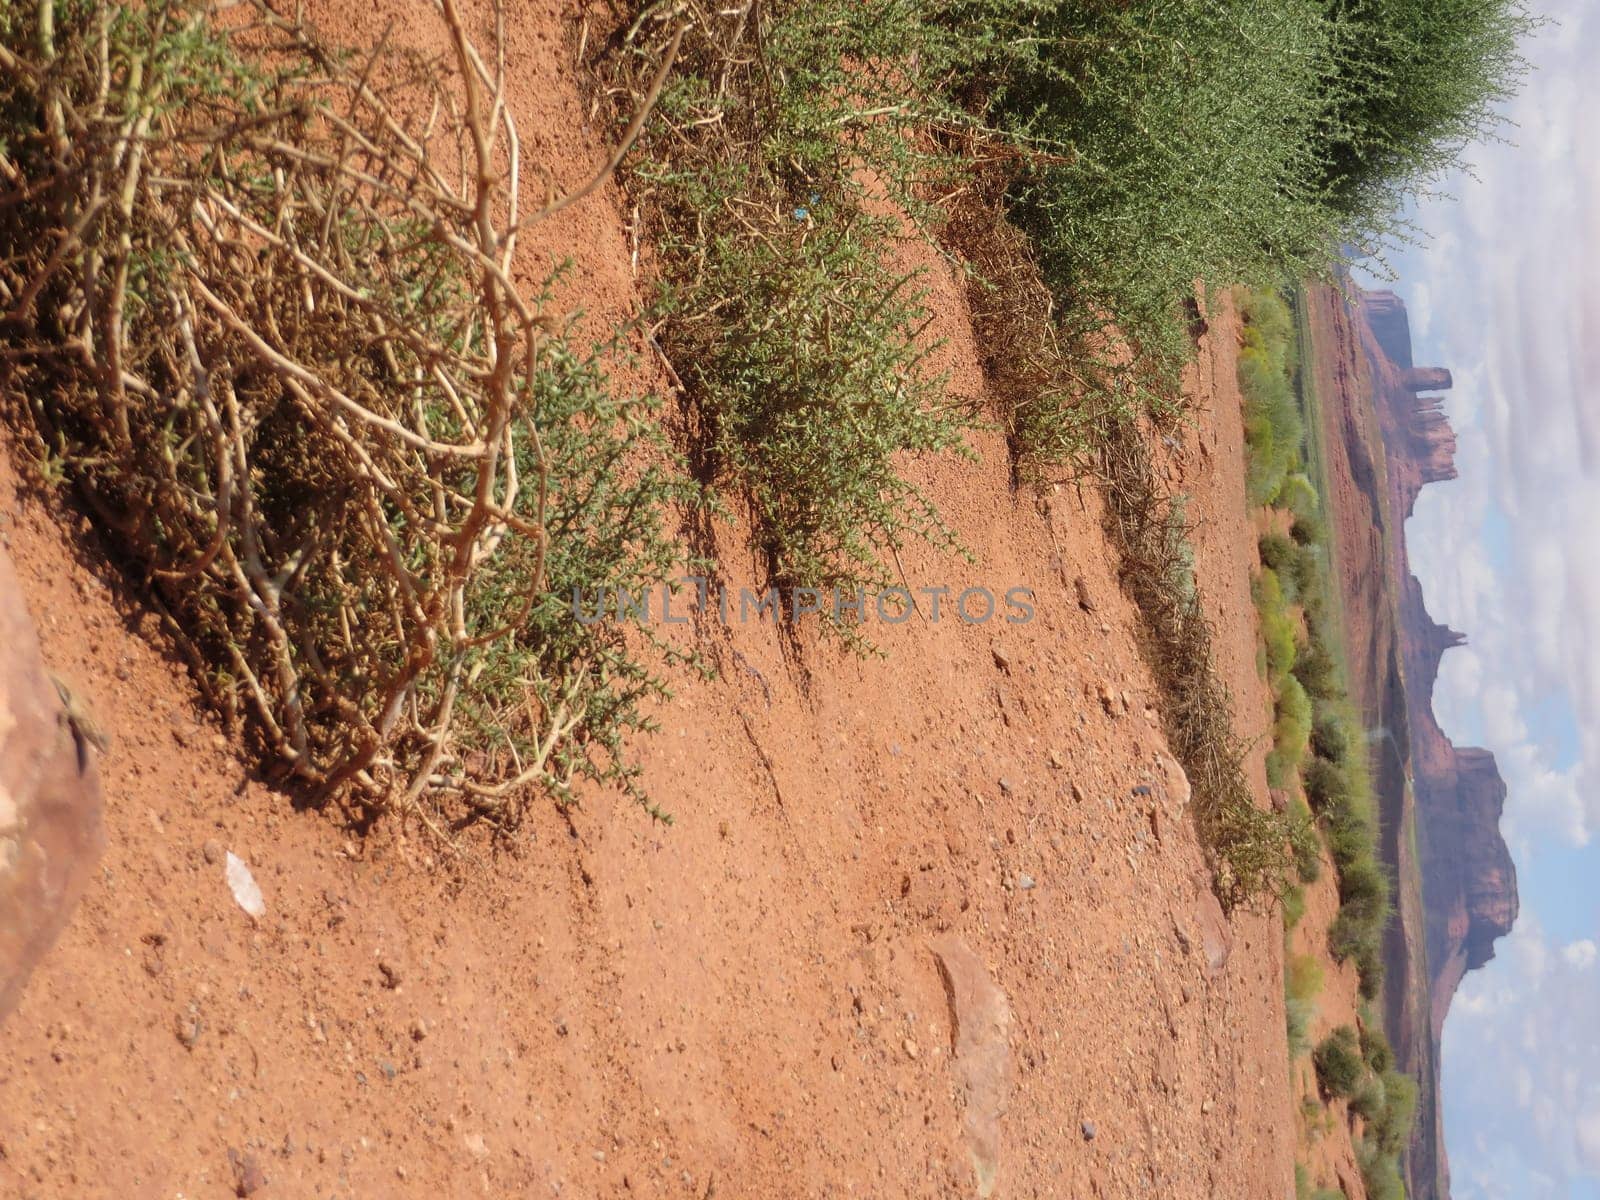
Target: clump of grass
[
  {"x": 269, "y": 321},
  {"x": 1304, "y": 1189},
  {"x": 1380, "y": 1172},
  {"x": 1249, "y": 845},
  {"x": 1384, "y": 1099},
  {"x": 1302, "y": 983},
  {"x": 1294, "y": 907},
  {"x": 1274, "y": 430}
]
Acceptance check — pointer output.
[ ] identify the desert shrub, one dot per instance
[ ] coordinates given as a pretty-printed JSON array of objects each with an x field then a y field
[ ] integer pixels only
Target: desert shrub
[
  {"x": 1272, "y": 425},
  {"x": 1375, "y": 1048},
  {"x": 1305, "y": 840},
  {"x": 1368, "y": 1100},
  {"x": 1317, "y": 670},
  {"x": 1380, "y": 1172},
  {"x": 1305, "y": 977},
  {"x": 1149, "y": 120},
  {"x": 1304, "y": 1189},
  {"x": 816, "y": 395},
  {"x": 1277, "y": 626},
  {"x": 1309, "y": 529},
  {"x": 1358, "y": 938},
  {"x": 1330, "y": 737},
  {"x": 1309, "y": 573},
  {"x": 794, "y": 335},
  {"x": 1324, "y": 783},
  {"x": 1299, "y": 498},
  {"x": 1278, "y": 553},
  {"x": 1139, "y": 122},
  {"x": 1291, "y": 732},
  {"x": 1393, "y": 1126},
  {"x": 1338, "y": 1062},
  {"x": 1294, "y": 907},
  {"x": 1297, "y": 1016},
  {"x": 1302, "y": 983},
  {"x": 1415, "y": 82},
  {"x": 1274, "y": 430},
  {"x": 292, "y": 371},
  {"x": 1364, "y": 889},
  {"x": 1370, "y": 969}
]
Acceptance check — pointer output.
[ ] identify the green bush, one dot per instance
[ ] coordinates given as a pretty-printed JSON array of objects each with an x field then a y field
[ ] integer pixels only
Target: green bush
[
  {"x": 1330, "y": 737},
  {"x": 1317, "y": 670},
  {"x": 1309, "y": 573},
  {"x": 1309, "y": 529},
  {"x": 1277, "y": 626},
  {"x": 1415, "y": 82},
  {"x": 815, "y": 393},
  {"x": 1291, "y": 732},
  {"x": 1368, "y": 1100},
  {"x": 1305, "y": 840},
  {"x": 1393, "y": 1127},
  {"x": 1294, "y": 907},
  {"x": 1338, "y": 1062},
  {"x": 1380, "y": 1172},
  {"x": 1304, "y": 977},
  {"x": 1325, "y": 784},
  {"x": 1299, "y": 499},
  {"x": 1297, "y": 1016},
  {"x": 1154, "y": 118}
]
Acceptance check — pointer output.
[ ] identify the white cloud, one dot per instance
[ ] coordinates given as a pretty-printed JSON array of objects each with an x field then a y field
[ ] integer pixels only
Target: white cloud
[
  {"x": 1587, "y": 1132},
  {"x": 1580, "y": 954}
]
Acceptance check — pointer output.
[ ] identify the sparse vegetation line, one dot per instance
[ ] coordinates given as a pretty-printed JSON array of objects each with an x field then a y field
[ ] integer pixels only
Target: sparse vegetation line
[{"x": 1319, "y": 756}]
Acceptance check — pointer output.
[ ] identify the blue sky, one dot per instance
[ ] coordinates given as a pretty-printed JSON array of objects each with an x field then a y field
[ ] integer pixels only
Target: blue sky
[{"x": 1506, "y": 292}]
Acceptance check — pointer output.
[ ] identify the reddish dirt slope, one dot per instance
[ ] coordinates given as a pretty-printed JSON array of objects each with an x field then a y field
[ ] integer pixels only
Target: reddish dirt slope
[{"x": 742, "y": 1004}]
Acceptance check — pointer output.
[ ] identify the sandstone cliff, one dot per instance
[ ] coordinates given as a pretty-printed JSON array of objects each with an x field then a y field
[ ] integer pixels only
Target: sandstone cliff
[{"x": 1386, "y": 316}]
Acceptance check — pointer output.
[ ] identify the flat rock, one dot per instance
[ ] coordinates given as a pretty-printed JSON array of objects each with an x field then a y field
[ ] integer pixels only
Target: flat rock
[
  {"x": 980, "y": 1031},
  {"x": 50, "y": 832},
  {"x": 1216, "y": 937}
]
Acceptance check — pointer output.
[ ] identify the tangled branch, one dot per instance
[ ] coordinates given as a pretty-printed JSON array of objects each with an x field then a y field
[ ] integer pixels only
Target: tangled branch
[{"x": 282, "y": 346}]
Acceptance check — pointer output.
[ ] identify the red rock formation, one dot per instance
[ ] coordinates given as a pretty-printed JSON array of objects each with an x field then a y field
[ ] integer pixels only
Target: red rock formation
[
  {"x": 1427, "y": 379},
  {"x": 1429, "y": 443},
  {"x": 1387, "y": 317}
]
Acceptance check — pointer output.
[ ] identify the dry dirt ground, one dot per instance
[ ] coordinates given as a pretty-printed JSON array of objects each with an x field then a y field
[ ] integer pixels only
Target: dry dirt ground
[{"x": 743, "y": 1004}]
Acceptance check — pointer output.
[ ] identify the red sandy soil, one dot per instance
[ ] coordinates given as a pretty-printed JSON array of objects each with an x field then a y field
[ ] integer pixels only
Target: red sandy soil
[{"x": 743, "y": 1004}]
